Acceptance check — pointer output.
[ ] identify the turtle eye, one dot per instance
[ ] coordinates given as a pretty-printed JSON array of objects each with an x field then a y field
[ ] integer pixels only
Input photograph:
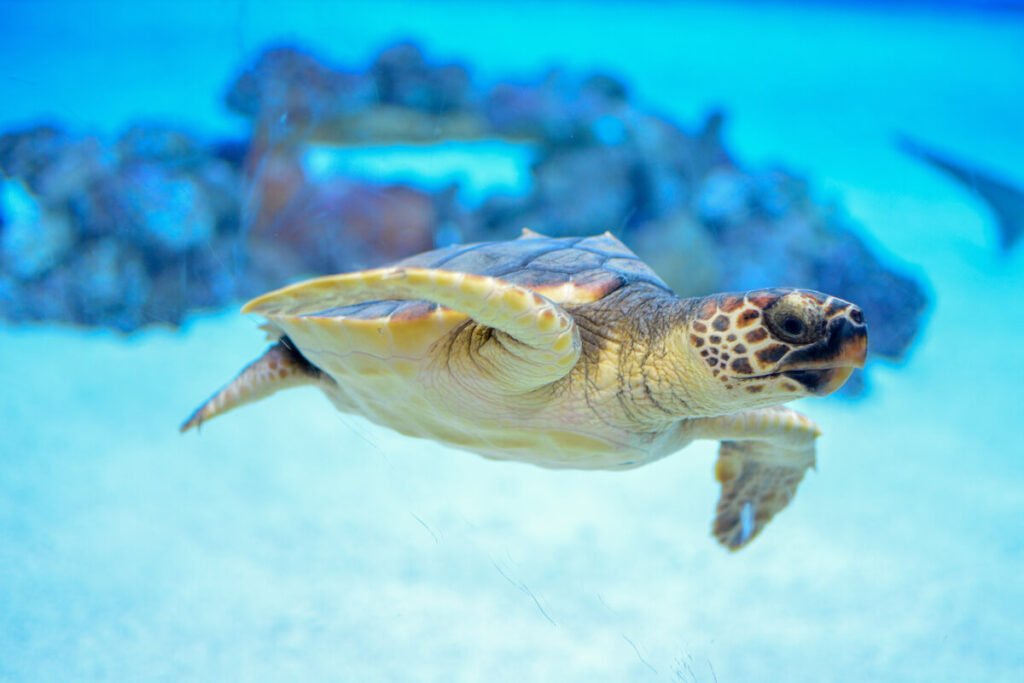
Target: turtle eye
[
  {"x": 790, "y": 323},
  {"x": 793, "y": 326}
]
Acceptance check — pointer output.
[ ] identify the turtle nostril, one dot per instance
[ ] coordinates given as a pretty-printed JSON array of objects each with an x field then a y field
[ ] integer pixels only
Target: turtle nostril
[{"x": 856, "y": 316}]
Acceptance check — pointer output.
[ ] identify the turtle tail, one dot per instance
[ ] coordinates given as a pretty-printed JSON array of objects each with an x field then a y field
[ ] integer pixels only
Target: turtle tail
[{"x": 280, "y": 367}]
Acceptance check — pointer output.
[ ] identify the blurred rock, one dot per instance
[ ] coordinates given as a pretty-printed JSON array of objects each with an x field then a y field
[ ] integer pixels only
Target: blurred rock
[
  {"x": 661, "y": 242},
  {"x": 291, "y": 91},
  {"x": 275, "y": 177},
  {"x": 560, "y": 110},
  {"x": 160, "y": 144},
  {"x": 291, "y": 96},
  {"x": 108, "y": 234},
  {"x": 724, "y": 197},
  {"x": 158, "y": 223},
  {"x": 169, "y": 211},
  {"x": 34, "y": 238},
  {"x": 25, "y": 154},
  {"x": 403, "y": 78},
  {"x": 345, "y": 225},
  {"x": 111, "y": 285},
  {"x": 585, "y": 190}
]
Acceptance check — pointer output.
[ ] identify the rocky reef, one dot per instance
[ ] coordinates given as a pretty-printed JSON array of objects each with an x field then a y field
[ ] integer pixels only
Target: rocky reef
[
  {"x": 117, "y": 235},
  {"x": 158, "y": 223}
]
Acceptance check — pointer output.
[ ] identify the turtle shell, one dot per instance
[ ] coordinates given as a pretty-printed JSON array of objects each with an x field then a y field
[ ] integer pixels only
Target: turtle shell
[{"x": 567, "y": 270}]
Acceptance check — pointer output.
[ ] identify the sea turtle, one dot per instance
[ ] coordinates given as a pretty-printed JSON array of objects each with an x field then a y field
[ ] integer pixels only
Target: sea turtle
[{"x": 568, "y": 353}]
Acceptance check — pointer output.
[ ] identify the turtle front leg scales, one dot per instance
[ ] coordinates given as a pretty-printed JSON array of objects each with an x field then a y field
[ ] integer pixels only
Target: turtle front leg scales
[{"x": 763, "y": 457}]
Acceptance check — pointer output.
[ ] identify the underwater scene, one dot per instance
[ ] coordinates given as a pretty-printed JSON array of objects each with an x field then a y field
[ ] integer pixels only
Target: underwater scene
[{"x": 726, "y": 294}]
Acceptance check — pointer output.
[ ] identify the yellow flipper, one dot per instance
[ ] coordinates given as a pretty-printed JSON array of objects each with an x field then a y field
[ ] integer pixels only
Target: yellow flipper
[{"x": 544, "y": 344}]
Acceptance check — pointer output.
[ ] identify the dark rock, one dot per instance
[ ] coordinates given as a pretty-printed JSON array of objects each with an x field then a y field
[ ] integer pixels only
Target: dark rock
[
  {"x": 25, "y": 153},
  {"x": 560, "y": 111},
  {"x": 403, "y": 78}
]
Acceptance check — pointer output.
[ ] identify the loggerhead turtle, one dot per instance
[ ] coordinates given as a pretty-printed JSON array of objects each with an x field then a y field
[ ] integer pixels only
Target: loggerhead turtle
[{"x": 568, "y": 353}]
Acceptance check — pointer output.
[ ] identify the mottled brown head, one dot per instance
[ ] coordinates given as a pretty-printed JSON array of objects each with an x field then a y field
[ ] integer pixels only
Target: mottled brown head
[{"x": 774, "y": 345}]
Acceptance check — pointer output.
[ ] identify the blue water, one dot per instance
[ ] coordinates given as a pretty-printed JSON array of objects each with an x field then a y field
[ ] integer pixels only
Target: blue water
[{"x": 290, "y": 543}]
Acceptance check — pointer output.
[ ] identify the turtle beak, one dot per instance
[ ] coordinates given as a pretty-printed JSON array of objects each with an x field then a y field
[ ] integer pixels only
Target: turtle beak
[
  {"x": 824, "y": 367},
  {"x": 821, "y": 382},
  {"x": 854, "y": 349}
]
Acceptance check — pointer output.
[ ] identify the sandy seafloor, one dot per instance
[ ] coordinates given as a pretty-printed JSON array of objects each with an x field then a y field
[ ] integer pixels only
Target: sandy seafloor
[{"x": 287, "y": 542}]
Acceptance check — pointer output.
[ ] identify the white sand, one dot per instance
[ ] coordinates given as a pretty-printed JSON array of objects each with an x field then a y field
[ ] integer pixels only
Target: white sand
[{"x": 287, "y": 542}]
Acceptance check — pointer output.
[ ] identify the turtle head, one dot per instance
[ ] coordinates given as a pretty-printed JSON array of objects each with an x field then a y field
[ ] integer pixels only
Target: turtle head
[{"x": 769, "y": 346}]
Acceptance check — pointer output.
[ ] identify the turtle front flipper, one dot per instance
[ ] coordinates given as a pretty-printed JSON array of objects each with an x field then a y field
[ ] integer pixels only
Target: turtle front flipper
[
  {"x": 540, "y": 344},
  {"x": 763, "y": 457},
  {"x": 280, "y": 367}
]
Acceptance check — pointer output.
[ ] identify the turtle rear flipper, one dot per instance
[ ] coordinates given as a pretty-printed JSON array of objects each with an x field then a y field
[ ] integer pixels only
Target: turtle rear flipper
[
  {"x": 280, "y": 367},
  {"x": 762, "y": 459},
  {"x": 541, "y": 342}
]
